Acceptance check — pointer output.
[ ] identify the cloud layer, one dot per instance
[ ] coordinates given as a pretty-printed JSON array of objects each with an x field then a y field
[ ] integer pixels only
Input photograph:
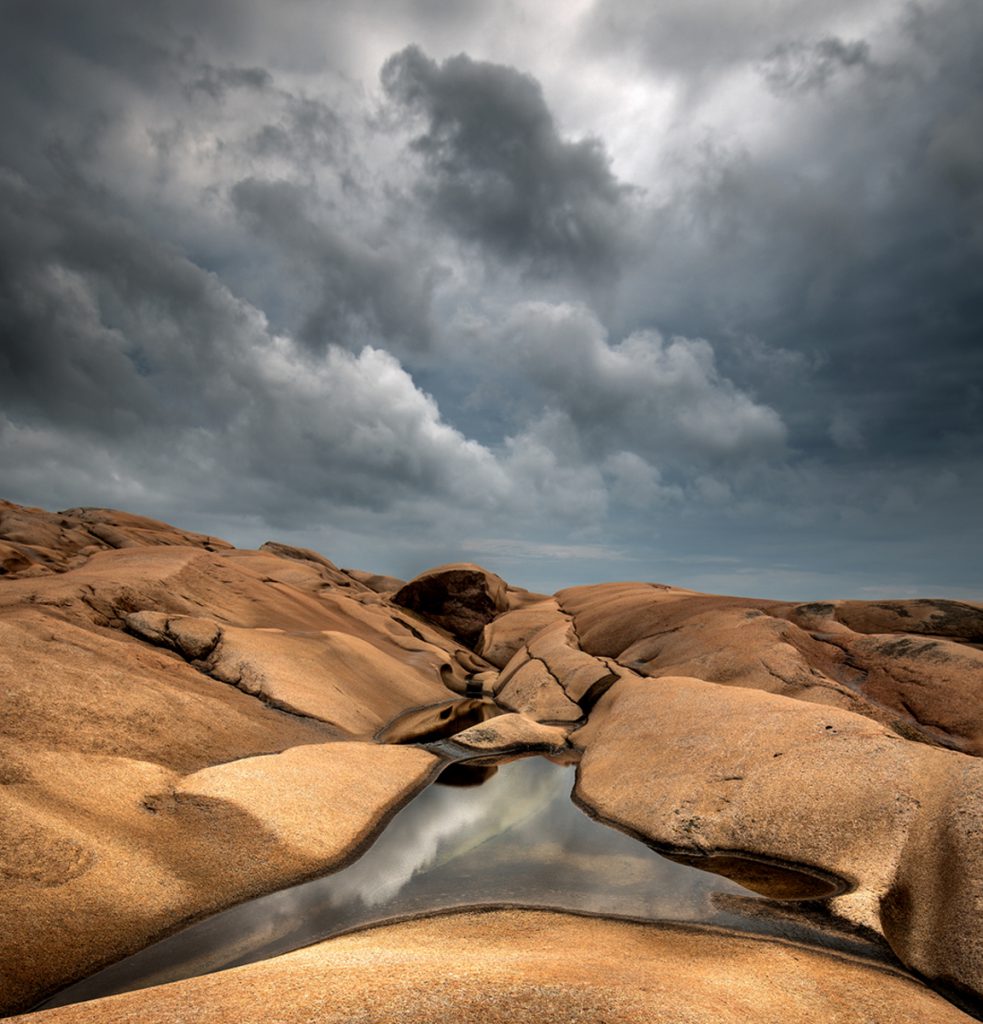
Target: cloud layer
[{"x": 613, "y": 289}]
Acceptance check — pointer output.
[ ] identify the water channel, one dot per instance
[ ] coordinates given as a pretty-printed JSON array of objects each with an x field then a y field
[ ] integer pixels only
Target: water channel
[{"x": 507, "y": 835}]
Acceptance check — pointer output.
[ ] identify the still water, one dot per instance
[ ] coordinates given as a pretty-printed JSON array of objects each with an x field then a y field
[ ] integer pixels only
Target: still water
[{"x": 508, "y": 836}]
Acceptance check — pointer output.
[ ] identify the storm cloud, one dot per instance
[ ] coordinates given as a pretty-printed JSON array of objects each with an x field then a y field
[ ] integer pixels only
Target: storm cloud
[
  {"x": 648, "y": 290},
  {"x": 497, "y": 171}
]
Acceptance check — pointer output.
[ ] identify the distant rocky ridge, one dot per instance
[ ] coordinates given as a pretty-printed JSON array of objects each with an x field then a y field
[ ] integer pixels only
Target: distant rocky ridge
[{"x": 185, "y": 725}]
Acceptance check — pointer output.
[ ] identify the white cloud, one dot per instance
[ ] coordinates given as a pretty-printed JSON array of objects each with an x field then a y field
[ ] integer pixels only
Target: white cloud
[{"x": 664, "y": 399}]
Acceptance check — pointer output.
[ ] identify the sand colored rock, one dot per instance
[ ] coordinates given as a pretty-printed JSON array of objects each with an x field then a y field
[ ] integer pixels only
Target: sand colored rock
[
  {"x": 510, "y": 632},
  {"x": 195, "y": 638},
  {"x": 332, "y": 676},
  {"x": 321, "y": 801},
  {"x": 933, "y": 913},
  {"x": 551, "y": 678},
  {"x": 461, "y": 598},
  {"x": 701, "y": 770},
  {"x": 936, "y": 684},
  {"x": 526, "y": 967},
  {"x": 58, "y": 540},
  {"x": 608, "y": 617},
  {"x": 798, "y": 802},
  {"x": 111, "y": 698},
  {"x": 329, "y": 570},
  {"x": 374, "y": 581},
  {"x": 923, "y": 688},
  {"x": 955, "y": 620},
  {"x": 513, "y": 732},
  {"x": 583, "y": 677},
  {"x": 175, "y": 735},
  {"x": 437, "y": 721},
  {"x": 533, "y": 691},
  {"x": 93, "y": 726},
  {"x": 108, "y": 854}
]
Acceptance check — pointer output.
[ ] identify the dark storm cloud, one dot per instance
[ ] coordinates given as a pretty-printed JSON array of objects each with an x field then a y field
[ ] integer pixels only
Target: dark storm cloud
[
  {"x": 308, "y": 130},
  {"x": 117, "y": 347},
  {"x": 854, "y": 237},
  {"x": 213, "y": 236},
  {"x": 355, "y": 290},
  {"x": 217, "y": 81},
  {"x": 498, "y": 171},
  {"x": 802, "y": 67}
]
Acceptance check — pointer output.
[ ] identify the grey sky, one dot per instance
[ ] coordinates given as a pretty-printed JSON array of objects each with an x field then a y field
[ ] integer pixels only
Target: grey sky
[{"x": 611, "y": 289}]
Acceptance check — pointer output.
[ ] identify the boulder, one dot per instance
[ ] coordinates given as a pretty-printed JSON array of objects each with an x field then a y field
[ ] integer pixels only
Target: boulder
[
  {"x": 512, "y": 733},
  {"x": 797, "y": 801},
  {"x": 460, "y": 598}
]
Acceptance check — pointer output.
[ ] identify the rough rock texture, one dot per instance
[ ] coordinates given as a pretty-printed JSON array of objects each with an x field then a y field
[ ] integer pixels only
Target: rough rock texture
[
  {"x": 108, "y": 838},
  {"x": 550, "y": 678},
  {"x": 134, "y": 790},
  {"x": 798, "y": 802},
  {"x": 533, "y": 691},
  {"x": 437, "y": 721},
  {"x": 372, "y": 580},
  {"x": 527, "y": 967},
  {"x": 461, "y": 598},
  {"x": 330, "y": 675},
  {"x": 507, "y": 634},
  {"x": 957, "y": 620},
  {"x": 43, "y": 542},
  {"x": 925, "y": 689},
  {"x": 513, "y": 732}
]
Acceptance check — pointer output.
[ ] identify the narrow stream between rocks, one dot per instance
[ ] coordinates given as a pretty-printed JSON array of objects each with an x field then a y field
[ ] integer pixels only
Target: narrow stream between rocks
[{"x": 507, "y": 835}]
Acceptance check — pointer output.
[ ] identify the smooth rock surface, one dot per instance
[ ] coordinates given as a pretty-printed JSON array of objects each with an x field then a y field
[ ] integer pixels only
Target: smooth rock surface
[
  {"x": 513, "y": 732},
  {"x": 527, "y": 967},
  {"x": 798, "y": 802}
]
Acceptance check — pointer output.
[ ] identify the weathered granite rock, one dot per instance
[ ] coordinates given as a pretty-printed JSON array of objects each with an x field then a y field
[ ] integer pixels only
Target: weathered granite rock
[
  {"x": 195, "y": 638},
  {"x": 374, "y": 581},
  {"x": 510, "y": 632},
  {"x": 436, "y": 721},
  {"x": 147, "y": 765},
  {"x": 798, "y": 802},
  {"x": 955, "y": 620},
  {"x": 58, "y": 540},
  {"x": 511, "y": 733},
  {"x": 533, "y": 691},
  {"x": 527, "y": 967},
  {"x": 461, "y": 598},
  {"x": 583, "y": 677},
  {"x": 322, "y": 801},
  {"x": 333, "y": 676},
  {"x": 704, "y": 771},
  {"x": 132, "y": 777},
  {"x": 930, "y": 689},
  {"x": 132, "y": 783},
  {"x": 933, "y": 912},
  {"x": 551, "y": 678}
]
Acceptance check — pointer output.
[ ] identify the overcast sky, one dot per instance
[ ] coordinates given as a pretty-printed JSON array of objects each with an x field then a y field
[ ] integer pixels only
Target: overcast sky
[{"x": 678, "y": 290}]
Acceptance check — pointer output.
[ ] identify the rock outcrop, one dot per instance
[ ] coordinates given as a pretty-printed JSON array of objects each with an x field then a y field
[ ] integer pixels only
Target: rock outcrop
[
  {"x": 460, "y": 598},
  {"x": 526, "y": 967},
  {"x": 184, "y": 725}
]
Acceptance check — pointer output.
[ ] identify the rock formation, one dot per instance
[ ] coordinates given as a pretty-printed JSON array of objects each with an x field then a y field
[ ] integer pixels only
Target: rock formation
[{"x": 185, "y": 725}]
